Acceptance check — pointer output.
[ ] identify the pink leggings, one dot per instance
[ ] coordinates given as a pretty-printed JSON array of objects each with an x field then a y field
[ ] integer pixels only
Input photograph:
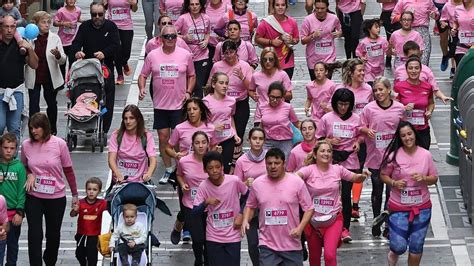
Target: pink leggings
[{"x": 329, "y": 237}]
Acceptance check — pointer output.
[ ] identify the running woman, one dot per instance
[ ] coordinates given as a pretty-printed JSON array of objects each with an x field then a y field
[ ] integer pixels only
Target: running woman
[
  {"x": 379, "y": 119},
  {"x": 463, "y": 28},
  {"x": 171, "y": 8},
  {"x": 248, "y": 20},
  {"x": 318, "y": 32},
  {"x": 350, "y": 15},
  {"x": 448, "y": 43},
  {"x": 222, "y": 108},
  {"x": 299, "y": 153},
  {"x": 319, "y": 93},
  {"x": 385, "y": 17},
  {"x": 409, "y": 170}
]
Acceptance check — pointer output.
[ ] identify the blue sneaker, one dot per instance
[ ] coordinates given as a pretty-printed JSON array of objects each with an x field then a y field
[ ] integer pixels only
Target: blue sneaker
[
  {"x": 444, "y": 63},
  {"x": 164, "y": 178},
  {"x": 186, "y": 236}
]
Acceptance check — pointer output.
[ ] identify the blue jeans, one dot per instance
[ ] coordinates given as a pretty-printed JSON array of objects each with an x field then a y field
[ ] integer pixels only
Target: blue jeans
[
  {"x": 12, "y": 244},
  {"x": 11, "y": 119}
]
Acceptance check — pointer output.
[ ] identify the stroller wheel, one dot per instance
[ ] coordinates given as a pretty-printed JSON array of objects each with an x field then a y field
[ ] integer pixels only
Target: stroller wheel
[
  {"x": 69, "y": 142},
  {"x": 74, "y": 141},
  {"x": 93, "y": 145},
  {"x": 101, "y": 141}
]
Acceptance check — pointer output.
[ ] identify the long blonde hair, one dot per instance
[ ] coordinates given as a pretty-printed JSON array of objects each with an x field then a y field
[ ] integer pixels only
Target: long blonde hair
[
  {"x": 348, "y": 68},
  {"x": 310, "y": 158}
]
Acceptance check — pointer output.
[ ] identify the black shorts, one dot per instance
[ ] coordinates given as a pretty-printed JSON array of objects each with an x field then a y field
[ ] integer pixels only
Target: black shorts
[{"x": 166, "y": 118}]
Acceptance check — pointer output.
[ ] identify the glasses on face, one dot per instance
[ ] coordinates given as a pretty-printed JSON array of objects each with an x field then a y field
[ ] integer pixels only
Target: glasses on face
[
  {"x": 169, "y": 36},
  {"x": 274, "y": 98},
  {"x": 95, "y": 14},
  {"x": 269, "y": 59},
  {"x": 164, "y": 23}
]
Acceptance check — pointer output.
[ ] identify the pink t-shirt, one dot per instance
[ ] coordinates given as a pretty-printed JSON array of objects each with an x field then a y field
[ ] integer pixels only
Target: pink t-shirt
[
  {"x": 349, "y": 6},
  {"x": 215, "y": 14},
  {"x": 322, "y": 48},
  {"x": 374, "y": 51},
  {"x": 244, "y": 23},
  {"x": 415, "y": 193},
  {"x": 220, "y": 218},
  {"x": 46, "y": 161},
  {"x": 278, "y": 215},
  {"x": 222, "y": 112},
  {"x": 245, "y": 168},
  {"x": 290, "y": 26},
  {"x": 276, "y": 120},
  {"x": 421, "y": 9},
  {"x": 193, "y": 174},
  {"x": 183, "y": 134},
  {"x": 67, "y": 35},
  {"x": 363, "y": 95},
  {"x": 156, "y": 42},
  {"x": 389, "y": 6},
  {"x": 118, "y": 11},
  {"x": 169, "y": 74},
  {"x": 260, "y": 82},
  {"x": 236, "y": 87},
  {"x": 198, "y": 28},
  {"x": 398, "y": 39},
  {"x": 172, "y": 8},
  {"x": 324, "y": 187},
  {"x": 448, "y": 13},
  {"x": 320, "y": 96},
  {"x": 296, "y": 159},
  {"x": 419, "y": 95},
  {"x": 332, "y": 126},
  {"x": 246, "y": 52},
  {"x": 3, "y": 211},
  {"x": 132, "y": 160},
  {"x": 465, "y": 29},
  {"x": 384, "y": 121},
  {"x": 426, "y": 75}
]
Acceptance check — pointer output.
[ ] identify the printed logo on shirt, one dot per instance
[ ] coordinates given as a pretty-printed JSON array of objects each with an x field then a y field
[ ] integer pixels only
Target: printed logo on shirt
[
  {"x": 128, "y": 167},
  {"x": 411, "y": 195},
  {"x": 323, "y": 204},
  {"x": 120, "y": 13},
  {"x": 466, "y": 37},
  {"x": 416, "y": 117},
  {"x": 359, "y": 107},
  {"x": 383, "y": 139},
  {"x": 276, "y": 216},
  {"x": 45, "y": 184},
  {"x": 374, "y": 50},
  {"x": 169, "y": 70},
  {"x": 223, "y": 219},
  {"x": 323, "y": 47},
  {"x": 198, "y": 33},
  {"x": 90, "y": 217},
  {"x": 343, "y": 130}
]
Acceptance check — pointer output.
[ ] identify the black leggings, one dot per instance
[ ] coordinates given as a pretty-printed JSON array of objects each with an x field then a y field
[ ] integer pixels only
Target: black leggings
[
  {"x": 424, "y": 138},
  {"x": 202, "y": 74},
  {"x": 351, "y": 30},
  {"x": 385, "y": 17},
  {"x": 377, "y": 192},
  {"x": 241, "y": 117},
  {"x": 346, "y": 198},
  {"x": 122, "y": 56},
  {"x": 49, "y": 95},
  {"x": 53, "y": 212},
  {"x": 227, "y": 153},
  {"x": 70, "y": 59},
  {"x": 252, "y": 241},
  {"x": 289, "y": 71},
  {"x": 197, "y": 227}
]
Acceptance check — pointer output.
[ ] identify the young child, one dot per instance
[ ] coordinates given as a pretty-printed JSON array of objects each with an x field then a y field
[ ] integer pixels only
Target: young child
[
  {"x": 66, "y": 19},
  {"x": 131, "y": 236},
  {"x": 222, "y": 195},
  {"x": 9, "y": 8},
  {"x": 372, "y": 50},
  {"x": 12, "y": 182},
  {"x": 89, "y": 222}
]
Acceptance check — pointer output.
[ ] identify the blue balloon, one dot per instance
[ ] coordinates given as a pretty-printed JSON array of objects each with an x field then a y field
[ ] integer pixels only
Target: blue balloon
[
  {"x": 21, "y": 31},
  {"x": 31, "y": 31}
]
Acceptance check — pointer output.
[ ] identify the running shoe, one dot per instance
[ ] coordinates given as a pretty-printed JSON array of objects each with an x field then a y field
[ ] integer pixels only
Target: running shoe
[
  {"x": 346, "y": 235},
  {"x": 379, "y": 220},
  {"x": 444, "y": 63},
  {"x": 186, "y": 236},
  {"x": 164, "y": 178},
  {"x": 355, "y": 214},
  {"x": 176, "y": 233},
  {"x": 120, "y": 80},
  {"x": 126, "y": 70},
  {"x": 376, "y": 232}
]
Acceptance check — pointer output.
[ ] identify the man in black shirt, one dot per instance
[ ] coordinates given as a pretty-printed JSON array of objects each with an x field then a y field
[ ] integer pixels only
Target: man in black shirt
[
  {"x": 99, "y": 38},
  {"x": 12, "y": 65}
]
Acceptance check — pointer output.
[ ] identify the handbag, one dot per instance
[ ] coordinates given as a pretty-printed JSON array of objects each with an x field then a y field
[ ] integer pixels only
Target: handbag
[
  {"x": 323, "y": 221},
  {"x": 103, "y": 241}
]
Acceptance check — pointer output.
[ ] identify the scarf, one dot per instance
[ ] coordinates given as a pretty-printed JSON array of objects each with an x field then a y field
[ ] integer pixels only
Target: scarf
[
  {"x": 307, "y": 147},
  {"x": 256, "y": 158}
]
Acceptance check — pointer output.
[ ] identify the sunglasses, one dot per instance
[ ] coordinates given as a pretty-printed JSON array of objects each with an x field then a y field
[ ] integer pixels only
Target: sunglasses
[
  {"x": 169, "y": 36},
  {"x": 94, "y": 14},
  {"x": 268, "y": 59},
  {"x": 166, "y": 23}
]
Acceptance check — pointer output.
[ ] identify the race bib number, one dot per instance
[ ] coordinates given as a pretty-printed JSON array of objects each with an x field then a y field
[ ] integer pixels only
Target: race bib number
[
  {"x": 222, "y": 219},
  {"x": 342, "y": 130},
  {"x": 323, "y": 47},
  {"x": 70, "y": 31},
  {"x": 466, "y": 37},
  {"x": 197, "y": 33},
  {"x": 383, "y": 139},
  {"x": 276, "y": 216},
  {"x": 45, "y": 184},
  {"x": 323, "y": 204},
  {"x": 416, "y": 117},
  {"x": 194, "y": 191},
  {"x": 120, "y": 13},
  {"x": 234, "y": 94},
  {"x": 359, "y": 107},
  {"x": 374, "y": 50},
  {"x": 128, "y": 167},
  {"x": 411, "y": 195},
  {"x": 225, "y": 132},
  {"x": 174, "y": 14},
  {"x": 169, "y": 70}
]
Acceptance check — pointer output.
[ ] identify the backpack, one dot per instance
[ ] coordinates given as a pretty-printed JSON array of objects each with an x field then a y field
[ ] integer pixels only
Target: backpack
[
  {"x": 249, "y": 18},
  {"x": 143, "y": 141}
]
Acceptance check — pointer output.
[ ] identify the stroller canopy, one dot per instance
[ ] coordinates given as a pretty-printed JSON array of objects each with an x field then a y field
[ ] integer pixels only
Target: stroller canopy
[
  {"x": 86, "y": 71},
  {"x": 135, "y": 193}
]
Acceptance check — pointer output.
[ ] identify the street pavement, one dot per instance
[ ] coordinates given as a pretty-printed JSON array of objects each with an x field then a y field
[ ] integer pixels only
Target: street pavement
[{"x": 450, "y": 240}]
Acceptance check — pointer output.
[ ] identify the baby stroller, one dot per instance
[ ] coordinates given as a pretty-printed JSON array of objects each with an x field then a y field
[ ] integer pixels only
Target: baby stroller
[
  {"x": 143, "y": 196},
  {"x": 86, "y": 93}
]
